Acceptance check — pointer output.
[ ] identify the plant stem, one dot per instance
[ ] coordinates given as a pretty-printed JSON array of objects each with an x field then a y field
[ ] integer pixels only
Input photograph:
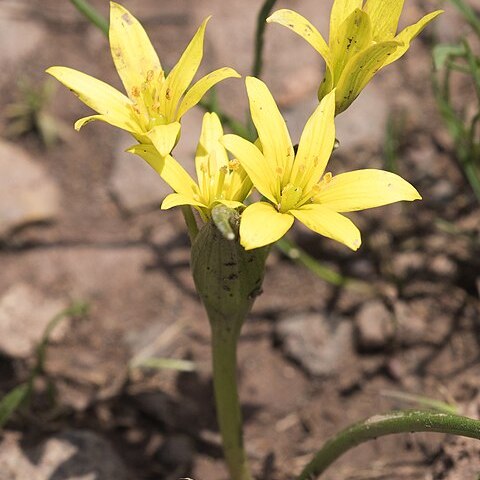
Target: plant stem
[
  {"x": 91, "y": 14},
  {"x": 190, "y": 222},
  {"x": 380, "y": 425},
  {"x": 293, "y": 251},
  {"x": 224, "y": 356},
  {"x": 259, "y": 35}
]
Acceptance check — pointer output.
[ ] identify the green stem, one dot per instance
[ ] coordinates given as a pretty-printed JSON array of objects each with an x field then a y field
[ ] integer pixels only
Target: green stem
[
  {"x": 91, "y": 14},
  {"x": 293, "y": 251},
  {"x": 224, "y": 356},
  {"x": 259, "y": 37},
  {"x": 190, "y": 222},
  {"x": 380, "y": 425}
]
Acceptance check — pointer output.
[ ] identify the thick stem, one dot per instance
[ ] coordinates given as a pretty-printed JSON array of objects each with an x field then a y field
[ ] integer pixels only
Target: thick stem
[
  {"x": 229, "y": 415},
  {"x": 380, "y": 425}
]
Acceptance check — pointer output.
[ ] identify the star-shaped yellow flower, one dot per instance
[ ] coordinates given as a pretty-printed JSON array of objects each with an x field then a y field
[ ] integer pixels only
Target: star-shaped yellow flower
[
  {"x": 153, "y": 102},
  {"x": 295, "y": 185},
  {"x": 220, "y": 180},
  {"x": 362, "y": 40}
]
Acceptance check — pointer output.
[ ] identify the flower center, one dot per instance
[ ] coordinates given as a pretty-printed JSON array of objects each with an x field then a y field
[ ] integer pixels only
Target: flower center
[{"x": 289, "y": 197}]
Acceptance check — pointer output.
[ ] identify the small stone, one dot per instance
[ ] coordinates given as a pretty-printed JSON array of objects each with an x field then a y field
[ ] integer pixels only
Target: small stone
[
  {"x": 374, "y": 326},
  {"x": 442, "y": 265},
  {"x": 317, "y": 343},
  {"x": 177, "y": 451},
  {"x": 406, "y": 263},
  {"x": 24, "y": 315},
  {"x": 73, "y": 455},
  {"x": 27, "y": 193},
  {"x": 19, "y": 37}
]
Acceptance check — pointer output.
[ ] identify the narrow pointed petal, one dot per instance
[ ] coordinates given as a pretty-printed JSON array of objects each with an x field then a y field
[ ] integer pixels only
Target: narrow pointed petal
[
  {"x": 361, "y": 189},
  {"x": 301, "y": 26},
  {"x": 182, "y": 73},
  {"x": 98, "y": 95},
  {"x": 200, "y": 88},
  {"x": 210, "y": 154},
  {"x": 164, "y": 137},
  {"x": 410, "y": 33},
  {"x": 168, "y": 168},
  {"x": 254, "y": 163},
  {"x": 108, "y": 119},
  {"x": 340, "y": 11},
  {"x": 329, "y": 223},
  {"x": 261, "y": 225},
  {"x": 316, "y": 145},
  {"x": 272, "y": 130},
  {"x": 385, "y": 15},
  {"x": 178, "y": 199},
  {"x": 360, "y": 70},
  {"x": 353, "y": 36},
  {"x": 132, "y": 51}
]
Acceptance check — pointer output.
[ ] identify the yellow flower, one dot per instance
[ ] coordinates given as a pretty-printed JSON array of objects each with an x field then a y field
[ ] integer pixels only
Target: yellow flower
[
  {"x": 362, "y": 40},
  {"x": 154, "y": 103},
  {"x": 220, "y": 180},
  {"x": 296, "y": 185}
]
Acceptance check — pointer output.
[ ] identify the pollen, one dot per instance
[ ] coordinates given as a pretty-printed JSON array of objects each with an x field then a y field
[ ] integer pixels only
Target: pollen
[
  {"x": 234, "y": 164},
  {"x": 327, "y": 178},
  {"x": 150, "y": 75},
  {"x": 279, "y": 171},
  {"x": 135, "y": 92}
]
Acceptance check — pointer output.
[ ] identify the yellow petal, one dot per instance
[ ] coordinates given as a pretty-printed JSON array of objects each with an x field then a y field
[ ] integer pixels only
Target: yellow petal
[
  {"x": 115, "y": 107},
  {"x": 164, "y": 137},
  {"x": 182, "y": 74},
  {"x": 409, "y": 33},
  {"x": 132, "y": 51},
  {"x": 198, "y": 90},
  {"x": 178, "y": 199},
  {"x": 363, "y": 189},
  {"x": 168, "y": 168},
  {"x": 316, "y": 145},
  {"x": 301, "y": 26},
  {"x": 329, "y": 223},
  {"x": 254, "y": 163},
  {"x": 360, "y": 70},
  {"x": 352, "y": 36},
  {"x": 104, "y": 118},
  {"x": 210, "y": 155},
  {"x": 384, "y": 15},
  {"x": 261, "y": 225},
  {"x": 340, "y": 11},
  {"x": 272, "y": 130}
]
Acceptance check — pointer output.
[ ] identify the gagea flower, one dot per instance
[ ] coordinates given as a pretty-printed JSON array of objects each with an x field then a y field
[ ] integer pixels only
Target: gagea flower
[
  {"x": 220, "y": 180},
  {"x": 296, "y": 185},
  {"x": 153, "y": 102},
  {"x": 362, "y": 40}
]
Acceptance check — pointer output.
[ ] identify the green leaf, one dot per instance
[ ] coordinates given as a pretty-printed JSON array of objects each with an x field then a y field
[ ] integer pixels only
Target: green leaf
[
  {"x": 11, "y": 401},
  {"x": 443, "y": 52}
]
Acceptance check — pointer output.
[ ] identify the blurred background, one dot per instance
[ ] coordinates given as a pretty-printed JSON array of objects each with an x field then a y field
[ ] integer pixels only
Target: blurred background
[{"x": 119, "y": 386}]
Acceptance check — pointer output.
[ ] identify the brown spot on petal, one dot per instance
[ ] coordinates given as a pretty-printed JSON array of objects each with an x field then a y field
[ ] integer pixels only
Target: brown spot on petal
[{"x": 126, "y": 18}]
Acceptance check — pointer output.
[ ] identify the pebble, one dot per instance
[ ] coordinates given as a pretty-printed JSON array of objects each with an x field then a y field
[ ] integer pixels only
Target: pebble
[
  {"x": 319, "y": 344},
  {"x": 27, "y": 193},
  {"x": 72, "y": 455},
  {"x": 24, "y": 315},
  {"x": 374, "y": 326}
]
